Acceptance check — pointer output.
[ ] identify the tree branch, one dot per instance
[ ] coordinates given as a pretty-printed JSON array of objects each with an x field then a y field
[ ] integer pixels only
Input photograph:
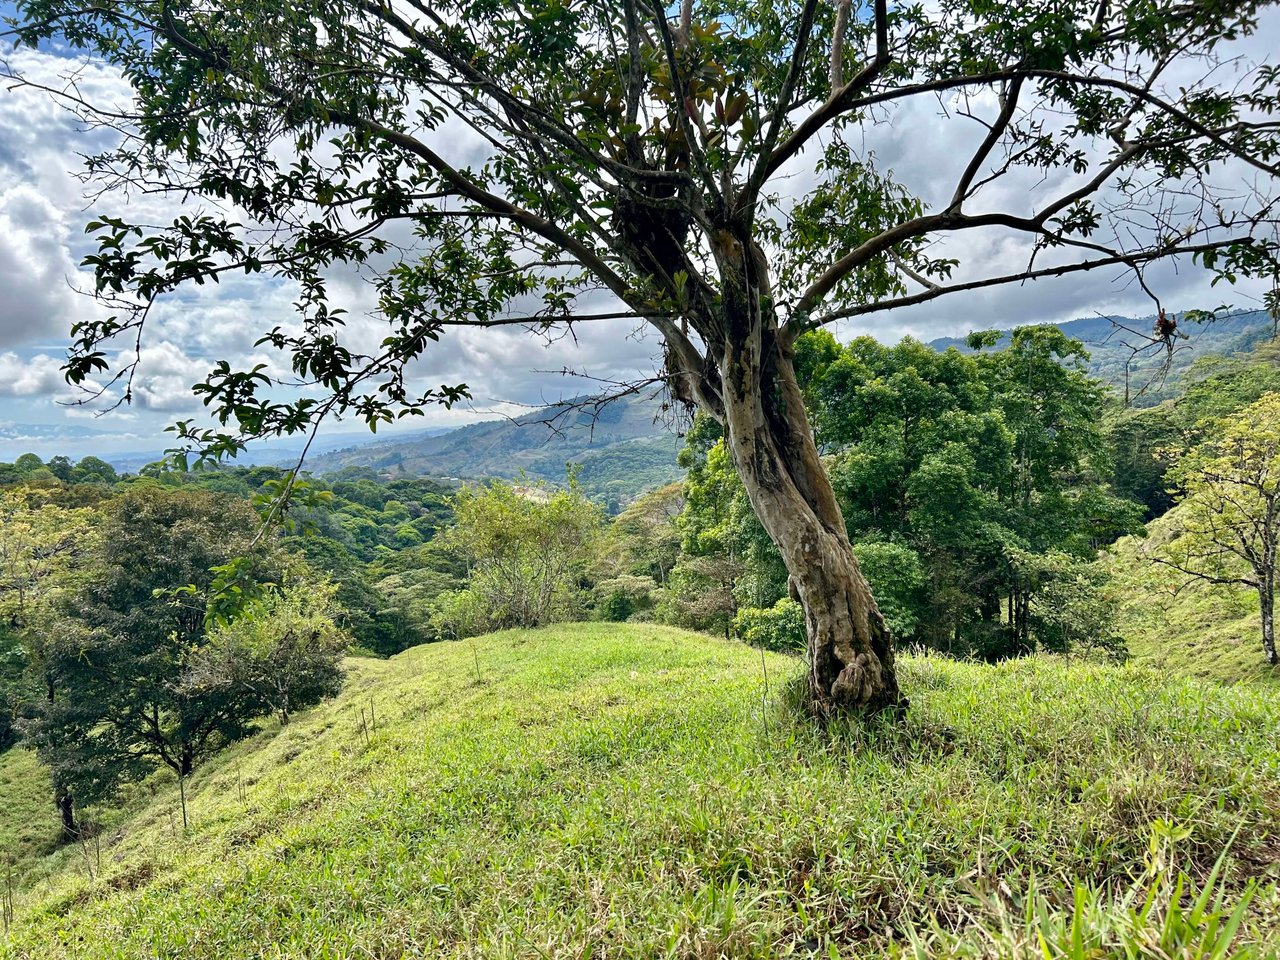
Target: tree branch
[
  {"x": 837, "y": 103},
  {"x": 993, "y": 136},
  {"x": 1127, "y": 259}
]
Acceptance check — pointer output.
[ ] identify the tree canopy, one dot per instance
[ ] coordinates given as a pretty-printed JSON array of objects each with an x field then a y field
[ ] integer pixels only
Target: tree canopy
[{"x": 123, "y": 641}]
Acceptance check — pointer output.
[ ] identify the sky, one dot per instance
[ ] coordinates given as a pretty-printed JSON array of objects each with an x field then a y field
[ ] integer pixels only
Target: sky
[{"x": 44, "y": 205}]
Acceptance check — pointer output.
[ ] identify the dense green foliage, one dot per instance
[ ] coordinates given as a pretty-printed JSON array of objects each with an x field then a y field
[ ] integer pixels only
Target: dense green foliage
[
  {"x": 1230, "y": 512},
  {"x": 969, "y": 461},
  {"x": 1213, "y": 387},
  {"x": 618, "y": 791},
  {"x": 726, "y": 560},
  {"x": 121, "y": 645},
  {"x": 352, "y": 526},
  {"x": 283, "y": 655},
  {"x": 143, "y": 626},
  {"x": 44, "y": 543},
  {"x": 525, "y": 550},
  {"x": 779, "y": 628},
  {"x": 973, "y": 486}
]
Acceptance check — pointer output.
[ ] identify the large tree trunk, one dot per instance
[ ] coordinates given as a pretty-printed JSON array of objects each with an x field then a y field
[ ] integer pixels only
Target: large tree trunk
[{"x": 850, "y": 649}]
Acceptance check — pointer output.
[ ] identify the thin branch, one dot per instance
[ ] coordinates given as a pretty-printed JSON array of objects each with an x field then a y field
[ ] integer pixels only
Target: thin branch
[
  {"x": 1127, "y": 259},
  {"x": 1007, "y": 109},
  {"x": 773, "y": 131},
  {"x": 839, "y": 102}
]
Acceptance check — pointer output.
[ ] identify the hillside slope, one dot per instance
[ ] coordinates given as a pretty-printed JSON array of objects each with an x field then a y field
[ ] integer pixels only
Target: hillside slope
[
  {"x": 28, "y": 829},
  {"x": 1196, "y": 629},
  {"x": 618, "y": 791},
  {"x": 1111, "y": 358}
]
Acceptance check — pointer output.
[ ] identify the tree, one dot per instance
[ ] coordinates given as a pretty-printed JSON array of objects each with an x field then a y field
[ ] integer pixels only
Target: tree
[
  {"x": 93, "y": 470},
  {"x": 285, "y": 652},
  {"x": 949, "y": 467},
  {"x": 41, "y": 545},
  {"x": 643, "y": 540},
  {"x": 45, "y": 553},
  {"x": 526, "y": 548},
  {"x": 640, "y": 152},
  {"x": 28, "y": 463},
  {"x": 128, "y": 637},
  {"x": 1230, "y": 509},
  {"x": 1071, "y": 606}
]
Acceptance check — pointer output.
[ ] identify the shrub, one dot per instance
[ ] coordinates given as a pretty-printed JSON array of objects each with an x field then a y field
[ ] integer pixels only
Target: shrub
[
  {"x": 779, "y": 628},
  {"x": 897, "y": 579},
  {"x": 526, "y": 547},
  {"x": 617, "y": 606},
  {"x": 619, "y": 598},
  {"x": 283, "y": 654}
]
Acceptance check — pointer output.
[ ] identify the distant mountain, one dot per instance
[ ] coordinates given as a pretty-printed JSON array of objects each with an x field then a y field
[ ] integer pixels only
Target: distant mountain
[
  {"x": 1110, "y": 341},
  {"x": 623, "y": 448},
  {"x": 626, "y": 447},
  {"x": 267, "y": 453}
]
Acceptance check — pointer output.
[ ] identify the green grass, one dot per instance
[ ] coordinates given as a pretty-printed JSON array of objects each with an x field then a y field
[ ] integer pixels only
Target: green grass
[
  {"x": 28, "y": 824},
  {"x": 620, "y": 791},
  {"x": 1200, "y": 629}
]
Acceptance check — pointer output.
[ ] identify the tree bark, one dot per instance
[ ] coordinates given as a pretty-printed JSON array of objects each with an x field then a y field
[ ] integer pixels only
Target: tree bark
[
  {"x": 1267, "y": 603},
  {"x": 850, "y": 649}
]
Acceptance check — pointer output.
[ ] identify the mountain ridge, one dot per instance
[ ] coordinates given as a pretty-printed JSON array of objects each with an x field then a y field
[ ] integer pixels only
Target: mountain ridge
[
  {"x": 623, "y": 448},
  {"x": 1152, "y": 374}
]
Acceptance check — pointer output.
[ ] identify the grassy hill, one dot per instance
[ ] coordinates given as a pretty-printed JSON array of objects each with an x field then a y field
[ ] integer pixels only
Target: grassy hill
[
  {"x": 28, "y": 832},
  {"x": 638, "y": 791},
  {"x": 1200, "y": 629}
]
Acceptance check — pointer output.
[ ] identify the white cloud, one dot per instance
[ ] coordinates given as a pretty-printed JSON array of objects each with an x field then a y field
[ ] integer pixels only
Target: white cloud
[
  {"x": 36, "y": 269},
  {"x": 38, "y": 376}
]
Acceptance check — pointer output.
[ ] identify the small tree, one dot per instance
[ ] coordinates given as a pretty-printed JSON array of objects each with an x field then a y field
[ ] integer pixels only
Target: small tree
[
  {"x": 643, "y": 539},
  {"x": 1070, "y": 605},
  {"x": 127, "y": 638},
  {"x": 285, "y": 652},
  {"x": 526, "y": 547},
  {"x": 1231, "y": 509}
]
